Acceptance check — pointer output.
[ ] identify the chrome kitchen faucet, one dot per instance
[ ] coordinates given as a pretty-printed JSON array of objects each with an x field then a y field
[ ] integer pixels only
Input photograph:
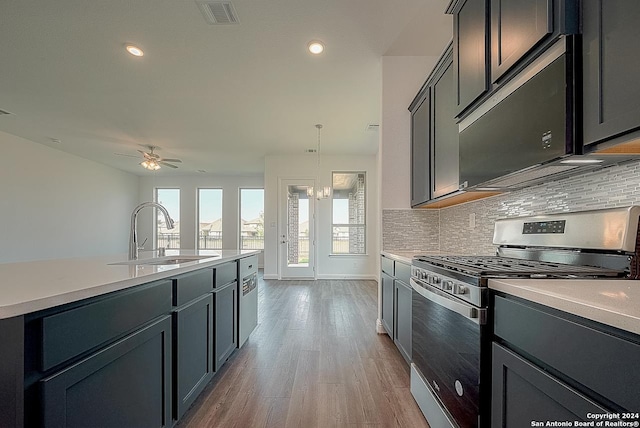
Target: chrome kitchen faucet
[{"x": 133, "y": 233}]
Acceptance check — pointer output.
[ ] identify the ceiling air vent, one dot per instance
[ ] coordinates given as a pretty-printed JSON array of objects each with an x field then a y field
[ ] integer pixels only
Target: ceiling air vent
[
  {"x": 310, "y": 151},
  {"x": 3, "y": 112},
  {"x": 218, "y": 12},
  {"x": 373, "y": 127}
]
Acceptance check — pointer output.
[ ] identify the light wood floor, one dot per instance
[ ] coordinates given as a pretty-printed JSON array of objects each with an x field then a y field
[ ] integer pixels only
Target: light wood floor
[{"x": 314, "y": 360}]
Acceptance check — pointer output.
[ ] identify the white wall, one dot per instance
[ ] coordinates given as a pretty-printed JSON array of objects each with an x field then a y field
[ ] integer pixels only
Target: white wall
[
  {"x": 304, "y": 167},
  {"x": 188, "y": 186},
  {"x": 56, "y": 205},
  {"x": 402, "y": 78}
]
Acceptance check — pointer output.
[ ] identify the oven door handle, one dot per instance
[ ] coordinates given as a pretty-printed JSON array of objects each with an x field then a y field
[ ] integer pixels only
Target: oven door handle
[{"x": 471, "y": 313}]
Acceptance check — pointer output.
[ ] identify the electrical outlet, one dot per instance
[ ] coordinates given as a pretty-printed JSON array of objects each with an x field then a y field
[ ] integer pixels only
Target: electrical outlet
[{"x": 472, "y": 221}]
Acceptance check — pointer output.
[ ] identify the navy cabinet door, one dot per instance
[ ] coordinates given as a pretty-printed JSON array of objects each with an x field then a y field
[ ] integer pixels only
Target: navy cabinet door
[
  {"x": 517, "y": 26},
  {"x": 522, "y": 393},
  {"x": 193, "y": 345},
  {"x": 470, "y": 52},
  {"x": 387, "y": 303},
  {"x": 127, "y": 384},
  {"x": 226, "y": 328},
  {"x": 420, "y": 153},
  {"x": 611, "y": 87},
  {"x": 402, "y": 321}
]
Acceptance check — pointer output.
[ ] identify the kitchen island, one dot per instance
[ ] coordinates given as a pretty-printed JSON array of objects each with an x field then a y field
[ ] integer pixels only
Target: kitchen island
[{"x": 116, "y": 341}]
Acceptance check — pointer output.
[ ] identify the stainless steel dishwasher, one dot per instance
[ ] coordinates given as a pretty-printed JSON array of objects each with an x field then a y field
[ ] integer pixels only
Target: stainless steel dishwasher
[{"x": 248, "y": 317}]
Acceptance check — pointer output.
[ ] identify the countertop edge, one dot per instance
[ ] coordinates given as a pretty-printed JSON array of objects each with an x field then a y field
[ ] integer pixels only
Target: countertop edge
[
  {"x": 27, "y": 307},
  {"x": 396, "y": 257},
  {"x": 591, "y": 311}
]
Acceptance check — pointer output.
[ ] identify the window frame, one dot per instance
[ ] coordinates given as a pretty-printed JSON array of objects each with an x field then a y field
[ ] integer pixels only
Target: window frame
[
  {"x": 197, "y": 228},
  {"x": 349, "y": 225},
  {"x": 155, "y": 234},
  {"x": 239, "y": 235}
]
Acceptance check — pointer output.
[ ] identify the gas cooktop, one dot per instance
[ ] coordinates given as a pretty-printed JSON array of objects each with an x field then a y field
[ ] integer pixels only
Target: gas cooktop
[{"x": 496, "y": 266}]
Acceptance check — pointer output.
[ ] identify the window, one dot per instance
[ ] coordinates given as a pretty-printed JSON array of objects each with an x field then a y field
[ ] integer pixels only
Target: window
[
  {"x": 210, "y": 219},
  {"x": 252, "y": 219},
  {"x": 170, "y": 199},
  {"x": 349, "y": 217}
]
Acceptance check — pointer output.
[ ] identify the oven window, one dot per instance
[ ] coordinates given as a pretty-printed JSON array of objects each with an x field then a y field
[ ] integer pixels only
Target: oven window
[{"x": 446, "y": 350}]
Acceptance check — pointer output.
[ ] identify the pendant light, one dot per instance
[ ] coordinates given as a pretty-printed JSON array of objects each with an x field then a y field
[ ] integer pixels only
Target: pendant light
[{"x": 324, "y": 192}]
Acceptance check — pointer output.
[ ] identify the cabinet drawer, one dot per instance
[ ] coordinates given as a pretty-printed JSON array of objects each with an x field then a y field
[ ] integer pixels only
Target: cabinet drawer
[
  {"x": 403, "y": 272},
  {"x": 72, "y": 332},
  {"x": 386, "y": 265},
  {"x": 573, "y": 349},
  {"x": 191, "y": 285},
  {"x": 248, "y": 266},
  {"x": 225, "y": 273}
]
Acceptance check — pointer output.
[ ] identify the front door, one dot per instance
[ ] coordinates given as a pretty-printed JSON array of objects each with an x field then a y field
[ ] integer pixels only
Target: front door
[{"x": 296, "y": 231}]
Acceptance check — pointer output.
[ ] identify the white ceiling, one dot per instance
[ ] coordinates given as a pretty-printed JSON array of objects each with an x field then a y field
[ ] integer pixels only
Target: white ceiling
[{"x": 218, "y": 97}]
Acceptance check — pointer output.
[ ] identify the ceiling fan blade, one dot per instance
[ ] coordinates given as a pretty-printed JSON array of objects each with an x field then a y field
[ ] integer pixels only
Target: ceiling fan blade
[
  {"x": 124, "y": 154},
  {"x": 167, "y": 164},
  {"x": 172, "y": 160}
]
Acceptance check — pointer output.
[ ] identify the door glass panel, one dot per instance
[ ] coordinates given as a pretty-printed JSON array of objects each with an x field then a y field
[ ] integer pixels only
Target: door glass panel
[{"x": 298, "y": 225}]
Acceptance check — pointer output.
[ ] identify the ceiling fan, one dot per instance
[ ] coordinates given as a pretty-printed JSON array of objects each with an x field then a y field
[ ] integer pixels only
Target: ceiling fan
[{"x": 152, "y": 161}]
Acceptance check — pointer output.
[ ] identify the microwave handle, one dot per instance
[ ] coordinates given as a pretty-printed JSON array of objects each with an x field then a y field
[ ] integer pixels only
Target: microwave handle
[{"x": 466, "y": 311}]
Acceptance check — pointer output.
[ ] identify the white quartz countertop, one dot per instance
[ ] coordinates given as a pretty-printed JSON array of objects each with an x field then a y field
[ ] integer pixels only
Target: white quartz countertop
[
  {"x": 31, "y": 286},
  {"x": 612, "y": 302}
]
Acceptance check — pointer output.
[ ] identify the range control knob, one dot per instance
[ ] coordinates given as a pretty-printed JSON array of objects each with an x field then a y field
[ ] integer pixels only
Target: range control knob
[
  {"x": 447, "y": 285},
  {"x": 462, "y": 290},
  {"x": 435, "y": 280}
]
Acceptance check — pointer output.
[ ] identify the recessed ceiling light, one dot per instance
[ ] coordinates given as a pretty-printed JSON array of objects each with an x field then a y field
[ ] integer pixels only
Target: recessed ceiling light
[
  {"x": 315, "y": 47},
  {"x": 134, "y": 50}
]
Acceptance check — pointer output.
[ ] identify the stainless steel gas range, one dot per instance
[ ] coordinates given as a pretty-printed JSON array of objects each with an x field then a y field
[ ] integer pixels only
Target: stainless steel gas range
[{"x": 451, "y": 335}]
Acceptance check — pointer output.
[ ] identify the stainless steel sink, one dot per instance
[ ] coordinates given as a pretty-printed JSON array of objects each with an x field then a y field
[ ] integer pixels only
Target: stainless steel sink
[{"x": 168, "y": 260}]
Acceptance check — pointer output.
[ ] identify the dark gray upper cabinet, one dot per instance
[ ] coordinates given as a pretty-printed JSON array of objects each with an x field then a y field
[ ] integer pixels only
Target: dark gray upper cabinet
[
  {"x": 611, "y": 88},
  {"x": 445, "y": 130},
  {"x": 420, "y": 153},
  {"x": 516, "y": 27},
  {"x": 434, "y": 135},
  {"x": 470, "y": 51}
]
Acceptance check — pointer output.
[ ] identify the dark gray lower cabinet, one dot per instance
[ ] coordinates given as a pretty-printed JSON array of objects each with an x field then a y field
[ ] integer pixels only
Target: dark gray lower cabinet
[
  {"x": 387, "y": 303},
  {"x": 402, "y": 321},
  {"x": 523, "y": 393},
  {"x": 193, "y": 345},
  {"x": 127, "y": 384},
  {"x": 225, "y": 302}
]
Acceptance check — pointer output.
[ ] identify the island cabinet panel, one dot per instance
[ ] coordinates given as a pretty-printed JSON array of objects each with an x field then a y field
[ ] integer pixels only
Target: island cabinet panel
[
  {"x": 12, "y": 362},
  {"x": 192, "y": 285},
  {"x": 225, "y": 273},
  {"x": 72, "y": 332},
  {"x": 193, "y": 345},
  {"x": 522, "y": 393},
  {"x": 611, "y": 88},
  {"x": 225, "y": 302},
  {"x": 126, "y": 384}
]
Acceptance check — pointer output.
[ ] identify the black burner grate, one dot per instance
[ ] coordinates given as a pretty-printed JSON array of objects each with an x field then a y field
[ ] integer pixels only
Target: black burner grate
[{"x": 488, "y": 266}]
